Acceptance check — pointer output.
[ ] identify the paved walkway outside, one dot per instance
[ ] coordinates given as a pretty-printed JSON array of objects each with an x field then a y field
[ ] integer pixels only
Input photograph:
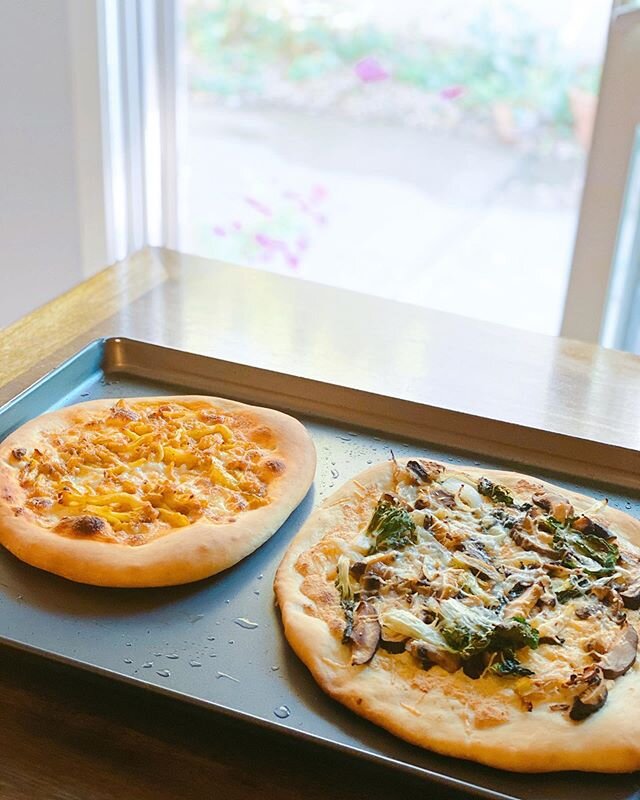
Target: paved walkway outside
[{"x": 476, "y": 228}]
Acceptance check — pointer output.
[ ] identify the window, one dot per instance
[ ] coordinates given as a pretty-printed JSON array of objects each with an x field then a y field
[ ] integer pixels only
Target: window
[{"x": 429, "y": 153}]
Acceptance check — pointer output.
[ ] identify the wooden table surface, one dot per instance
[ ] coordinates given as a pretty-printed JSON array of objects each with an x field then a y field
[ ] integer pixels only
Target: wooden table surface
[{"x": 67, "y": 735}]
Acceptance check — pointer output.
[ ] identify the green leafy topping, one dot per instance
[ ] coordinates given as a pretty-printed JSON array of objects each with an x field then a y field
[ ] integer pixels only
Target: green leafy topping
[
  {"x": 392, "y": 526},
  {"x": 514, "y": 633},
  {"x": 468, "y": 640},
  {"x": 585, "y": 551},
  {"x": 470, "y": 630},
  {"x": 499, "y": 494},
  {"x": 508, "y": 664}
]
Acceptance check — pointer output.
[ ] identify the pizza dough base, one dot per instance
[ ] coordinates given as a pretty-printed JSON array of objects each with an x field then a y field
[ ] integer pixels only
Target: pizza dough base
[
  {"x": 441, "y": 719},
  {"x": 182, "y": 555}
]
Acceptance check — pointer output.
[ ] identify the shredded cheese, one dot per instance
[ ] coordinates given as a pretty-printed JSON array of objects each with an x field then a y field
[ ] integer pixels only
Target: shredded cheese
[{"x": 145, "y": 468}]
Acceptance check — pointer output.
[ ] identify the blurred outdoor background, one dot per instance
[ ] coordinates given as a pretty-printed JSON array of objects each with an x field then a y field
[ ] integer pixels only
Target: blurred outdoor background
[{"x": 432, "y": 153}]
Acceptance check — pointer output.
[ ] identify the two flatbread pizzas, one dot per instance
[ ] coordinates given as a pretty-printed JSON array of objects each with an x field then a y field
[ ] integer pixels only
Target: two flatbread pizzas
[
  {"x": 150, "y": 491},
  {"x": 485, "y": 615},
  {"x": 481, "y": 614}
]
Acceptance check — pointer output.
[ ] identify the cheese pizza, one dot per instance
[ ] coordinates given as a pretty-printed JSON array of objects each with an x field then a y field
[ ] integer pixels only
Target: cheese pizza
[
  {"x": 482, "y": 614},
  {"x": 150, "y": 491}
]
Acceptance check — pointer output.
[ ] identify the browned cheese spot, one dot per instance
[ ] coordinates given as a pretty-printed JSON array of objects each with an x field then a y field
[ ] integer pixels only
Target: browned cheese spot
[
  {"x": 275, "y": 465},
  {"x": 85, "y": 525}
]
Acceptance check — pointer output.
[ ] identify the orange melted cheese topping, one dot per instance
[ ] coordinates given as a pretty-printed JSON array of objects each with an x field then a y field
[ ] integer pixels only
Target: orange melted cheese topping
[{"x": 145, "y": 468}]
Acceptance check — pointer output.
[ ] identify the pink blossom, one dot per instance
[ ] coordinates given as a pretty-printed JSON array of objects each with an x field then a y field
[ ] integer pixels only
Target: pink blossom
[
  {"x": 261, "y": 207},
  {"x": 451, "y": 92},
  {"x": 369, "y": 69},
  {"x": 264, "y": 240},
  {"x": 271, "y": 246},
  {"x": 318, "y": 193}
]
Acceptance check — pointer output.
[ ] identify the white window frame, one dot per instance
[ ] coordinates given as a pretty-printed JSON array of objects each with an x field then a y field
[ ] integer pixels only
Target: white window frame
[
  {"x": 125, "y": 80},
  {"x": 91, "y": 173},
  {"x": 596, "y": 307},
  {"x": 140, "y": 82}
]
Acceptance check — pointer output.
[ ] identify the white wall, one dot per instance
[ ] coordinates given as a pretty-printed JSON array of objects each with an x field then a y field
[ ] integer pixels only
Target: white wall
[{"x": 40, "y": 221}]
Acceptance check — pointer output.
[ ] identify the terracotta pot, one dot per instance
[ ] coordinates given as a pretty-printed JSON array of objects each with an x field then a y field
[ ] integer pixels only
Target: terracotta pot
[
  {"x": 583, "y": 105},
  {"x": 504, "y": 122}
]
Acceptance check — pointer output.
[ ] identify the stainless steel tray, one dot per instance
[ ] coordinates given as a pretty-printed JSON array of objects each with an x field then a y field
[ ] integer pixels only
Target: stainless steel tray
[{"x": 193, "y": 642}]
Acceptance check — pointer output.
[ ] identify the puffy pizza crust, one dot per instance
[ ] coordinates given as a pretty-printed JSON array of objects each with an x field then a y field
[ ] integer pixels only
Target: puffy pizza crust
[
  {"x": 183, "y": 554},
  {"x": 451, "y": 713}
]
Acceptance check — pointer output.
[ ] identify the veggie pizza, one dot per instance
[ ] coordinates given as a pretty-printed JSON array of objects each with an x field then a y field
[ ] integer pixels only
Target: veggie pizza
[{"x": 481, "y": 614}]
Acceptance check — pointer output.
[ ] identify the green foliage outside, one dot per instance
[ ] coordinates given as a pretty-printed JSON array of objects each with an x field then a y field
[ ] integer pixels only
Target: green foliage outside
[{"x": 237, "y": 47}]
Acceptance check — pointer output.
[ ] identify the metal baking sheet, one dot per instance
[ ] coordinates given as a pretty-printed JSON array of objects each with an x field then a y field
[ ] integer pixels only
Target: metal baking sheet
[{"x": 218, "y": 643}]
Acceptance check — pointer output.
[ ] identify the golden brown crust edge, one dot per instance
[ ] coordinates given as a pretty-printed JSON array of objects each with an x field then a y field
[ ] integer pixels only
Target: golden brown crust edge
[
  {"x": 185, "y": 555},
  {"x": 539, "y": 741}
]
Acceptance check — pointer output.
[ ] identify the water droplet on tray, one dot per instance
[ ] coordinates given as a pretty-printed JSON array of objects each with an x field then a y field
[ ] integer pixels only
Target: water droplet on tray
[
  {"x": 163, "y": 673},
  {"x": 128, "y": 661},
  {"x": 194, "y": 663},
  {"x": 334, "y": 473},
  {"x": 227, "y": 602},
  {"x": 147, "y": 664},
  {"x": 211, "y": 638},
  {"x": 212, "y": 655},
  {"x": 243, "y": 622},
  {"x": 197, "y": 617},
  {"x": 255, "y": 591},
  {"x": 345, "y": 438},
  {"x": 232, "y": 641},
  {"x": 274, "y": 668},
  {"x": 260, "y": 576},
  {"x": 226, "y": 675},
  {"x": 282, "y": 712},
  {"x": 627, "y": 505},
  {"x": 172, "y": 656}
]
